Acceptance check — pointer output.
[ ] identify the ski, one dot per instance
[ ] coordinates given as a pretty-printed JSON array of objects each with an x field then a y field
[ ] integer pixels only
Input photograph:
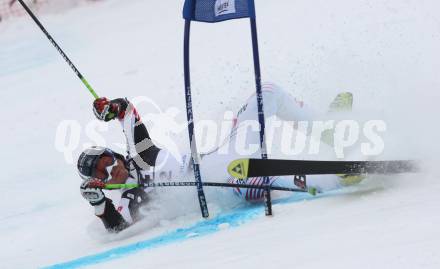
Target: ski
[{"x": 247, "y": 168}]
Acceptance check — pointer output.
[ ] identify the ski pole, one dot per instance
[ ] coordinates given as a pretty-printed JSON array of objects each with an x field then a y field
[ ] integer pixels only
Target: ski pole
[
  {"x": 80, "y": 76},
  {"x": 120, "y": 186},
  {"x": 312, "y": 191}
]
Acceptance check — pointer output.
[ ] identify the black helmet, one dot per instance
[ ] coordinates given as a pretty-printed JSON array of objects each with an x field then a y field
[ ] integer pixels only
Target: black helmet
[{"x": 89, "y": 158}]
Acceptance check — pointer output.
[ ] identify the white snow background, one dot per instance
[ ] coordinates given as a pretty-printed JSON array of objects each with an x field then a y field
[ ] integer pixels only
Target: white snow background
[{"x": 385, "y": 52}]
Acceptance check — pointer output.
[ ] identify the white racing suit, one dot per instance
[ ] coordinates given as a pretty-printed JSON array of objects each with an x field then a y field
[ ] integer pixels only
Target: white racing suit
[
  {"x": 147, "y": 163},
  {"x": 245, "y": 131}
]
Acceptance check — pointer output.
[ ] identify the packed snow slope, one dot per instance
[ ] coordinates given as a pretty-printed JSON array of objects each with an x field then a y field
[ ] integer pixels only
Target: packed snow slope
[{"x": 385, "y": 52}]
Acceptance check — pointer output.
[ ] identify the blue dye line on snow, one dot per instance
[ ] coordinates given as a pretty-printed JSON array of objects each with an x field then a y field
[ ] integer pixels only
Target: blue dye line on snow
[
  {"x": 201, "y": 228},
  {"x": 234, "y": 219}
]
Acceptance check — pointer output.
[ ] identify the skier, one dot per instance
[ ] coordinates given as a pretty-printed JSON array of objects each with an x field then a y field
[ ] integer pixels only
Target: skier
[{"x": 145, "y": 162}]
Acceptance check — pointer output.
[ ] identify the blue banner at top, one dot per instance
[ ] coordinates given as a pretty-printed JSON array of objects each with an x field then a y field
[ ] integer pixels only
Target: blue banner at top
[{"x": 218, "y": 10}]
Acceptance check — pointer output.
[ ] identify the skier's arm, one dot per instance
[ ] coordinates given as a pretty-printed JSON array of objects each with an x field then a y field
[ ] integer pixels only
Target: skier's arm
[
  {"x": 134, "y": 129},
  {"x": 104, "y": 209}
]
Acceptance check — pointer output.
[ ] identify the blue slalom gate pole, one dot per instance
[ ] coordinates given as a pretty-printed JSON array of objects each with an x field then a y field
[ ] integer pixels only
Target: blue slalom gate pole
[
  {"x": 190, "y": 118},
  {"x": 213, "y": 11},
  {"x": 261, "y": 120}
]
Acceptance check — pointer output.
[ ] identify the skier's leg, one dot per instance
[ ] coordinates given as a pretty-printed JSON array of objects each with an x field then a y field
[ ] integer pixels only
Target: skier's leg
[
  {"x": 276, "y": 103},
  {"x": 279, "y": 103}
]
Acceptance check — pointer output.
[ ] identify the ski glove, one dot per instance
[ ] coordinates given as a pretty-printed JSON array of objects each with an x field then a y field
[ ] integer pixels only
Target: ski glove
[
  {"x": 91, "y": 190},
  {"x": 105, "y": 109}
]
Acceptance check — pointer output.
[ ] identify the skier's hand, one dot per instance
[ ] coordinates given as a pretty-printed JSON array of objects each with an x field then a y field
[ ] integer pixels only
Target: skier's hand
[
  {"x": 105, "y": 109},
  {"x": 91, "y": 190}
]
